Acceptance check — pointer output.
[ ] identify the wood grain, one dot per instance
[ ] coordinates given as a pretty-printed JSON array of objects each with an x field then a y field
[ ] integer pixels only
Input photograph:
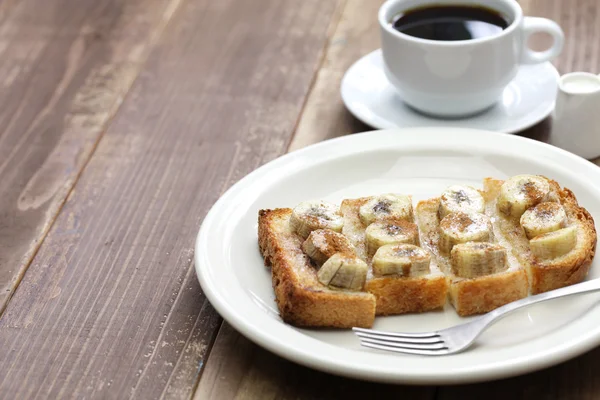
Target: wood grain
[
  {"x": 580, "y": 20},
  {"x": 110, "y": 306},
  {"x": 325, "y": 116},
  {"x": 63, "y": 75},
  {"x": 236, "y": 368}
]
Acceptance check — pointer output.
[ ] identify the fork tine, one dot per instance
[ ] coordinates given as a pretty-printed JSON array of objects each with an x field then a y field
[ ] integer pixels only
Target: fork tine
[
  {"x": 392, "y": 334},
  {"x": 407, "y": 351},
  {"x": 401, "y": 339},
  {"x": 404, "y": 345}
]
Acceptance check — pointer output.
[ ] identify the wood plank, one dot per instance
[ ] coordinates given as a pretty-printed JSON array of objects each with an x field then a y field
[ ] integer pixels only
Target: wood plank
[
  {"x": 63, "y": 75},
  {"x": 580, "y": 20},
  {"x": 325, "y": 116},
  {"x": 237, "y": 368},
  {"x": 6, "y": 8},
  {"x": 110, "y": 306}
]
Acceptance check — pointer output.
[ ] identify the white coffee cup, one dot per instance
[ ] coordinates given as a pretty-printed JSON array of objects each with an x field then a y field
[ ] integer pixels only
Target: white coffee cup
[{"x": 459, "y": 78}]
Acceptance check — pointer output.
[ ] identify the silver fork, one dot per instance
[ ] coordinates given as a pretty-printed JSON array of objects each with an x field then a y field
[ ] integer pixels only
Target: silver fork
[{"x": 460, "y": 337}]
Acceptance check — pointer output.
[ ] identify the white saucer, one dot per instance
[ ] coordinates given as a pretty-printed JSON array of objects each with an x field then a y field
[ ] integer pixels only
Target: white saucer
[{"x": 369, "y": 96}]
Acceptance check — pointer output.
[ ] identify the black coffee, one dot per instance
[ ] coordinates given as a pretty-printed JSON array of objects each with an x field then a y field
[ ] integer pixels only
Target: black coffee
[{"x": 446, "y": 23}]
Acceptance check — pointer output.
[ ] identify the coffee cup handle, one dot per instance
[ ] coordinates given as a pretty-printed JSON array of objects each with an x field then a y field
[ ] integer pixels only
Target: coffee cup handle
[{"x": 533, "y": 25}]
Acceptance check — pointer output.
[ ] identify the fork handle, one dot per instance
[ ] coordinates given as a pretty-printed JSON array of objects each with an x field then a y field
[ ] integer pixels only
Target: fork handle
[{"x": 497, "y": 314}]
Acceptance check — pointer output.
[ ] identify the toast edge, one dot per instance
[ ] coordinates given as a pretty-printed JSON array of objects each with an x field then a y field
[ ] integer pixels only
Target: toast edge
[
  {"x": 397, "y": 295},
  {"x": 545, "y": 278},
  {"x": 483, "y": 294},
  {"x": 306, "y": 306}
]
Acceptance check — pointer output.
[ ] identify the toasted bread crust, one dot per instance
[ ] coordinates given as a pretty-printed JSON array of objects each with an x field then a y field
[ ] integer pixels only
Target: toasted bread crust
[
  {"x": 486, "y": 293},
  {"x": 395, "y": 295},
  {"x": 477, "y": 295},
  {"x": 408, "y": 295},
  {"x": 301, "y": 299},
  {"x": 573, "y": 268}
]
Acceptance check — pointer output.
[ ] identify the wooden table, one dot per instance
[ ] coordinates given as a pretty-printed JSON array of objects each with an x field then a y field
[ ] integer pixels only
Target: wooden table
[{"x": 121, "y": 123}]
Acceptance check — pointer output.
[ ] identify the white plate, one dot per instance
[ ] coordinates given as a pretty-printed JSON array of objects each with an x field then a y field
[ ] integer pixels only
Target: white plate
[
  {"x": 527, "y": 100},
  {"x": 422, "y": 162}
]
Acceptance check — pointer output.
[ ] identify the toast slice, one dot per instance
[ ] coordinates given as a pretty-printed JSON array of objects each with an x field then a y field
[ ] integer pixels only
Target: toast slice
[
  {"x": 395, "y": 294},
  {"x": 302, "y": 300},
  {"x": 482, "y": 255},
  {"x": 470, "y": 295},
  {"x": 545, "y": 275}
]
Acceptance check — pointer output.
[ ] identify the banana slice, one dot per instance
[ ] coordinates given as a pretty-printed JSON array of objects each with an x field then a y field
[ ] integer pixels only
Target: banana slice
[
  {"x": 312, "y": 215},
  {"x": 386, "y": 206},
  {"x": 344, "y": 271},
  {"x": 401, "y": 259},
  {"x": 395, "y": 231},
  {"x": 471, "y": 260},
  {"x": 521, "y": 192},
  {"x": 543, "y": 218},
  {"x": 554, "y": 244},
  {"x": 461, "y": 227},
  {"x": 324, "y": 243},
  {"x": 460, "y": 198}
]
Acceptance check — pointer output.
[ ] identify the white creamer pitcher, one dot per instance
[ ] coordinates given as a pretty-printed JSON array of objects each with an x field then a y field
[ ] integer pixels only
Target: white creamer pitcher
[{"x": 576, "y": 122}]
